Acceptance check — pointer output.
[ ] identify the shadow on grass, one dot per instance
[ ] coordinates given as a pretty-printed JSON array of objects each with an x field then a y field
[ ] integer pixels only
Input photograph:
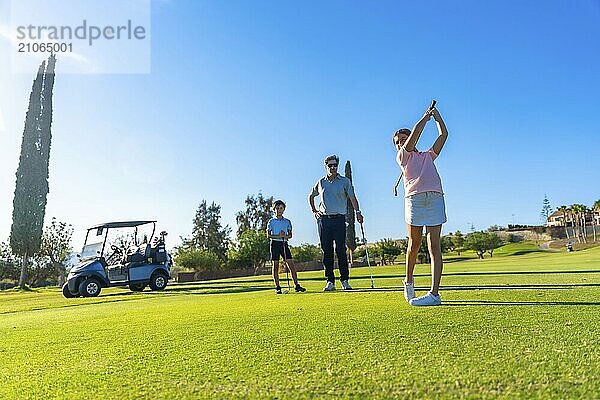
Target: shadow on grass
[
  {"x": 523, "y": 252},
  {"x": 76, "y": 302},
  {"x": 26, "y": 289},
  {"x": 480, "y": 287},
  {"x": 580, "y": 271},
  {"x": 520, "y": 252},
  {"x": 401, "y": 276},
  {"x": 451, "y": 303},
  {"x": 127, "y": 296},
  {"x": 217, "y": 289},
  {"x": 189, "y": 289},
  {"x": 516, "y": 287},
  {"x": 458, "y": 258}
]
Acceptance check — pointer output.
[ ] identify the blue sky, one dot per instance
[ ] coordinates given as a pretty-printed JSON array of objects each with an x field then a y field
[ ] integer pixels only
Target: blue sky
[{"x": 250, "y": 96}]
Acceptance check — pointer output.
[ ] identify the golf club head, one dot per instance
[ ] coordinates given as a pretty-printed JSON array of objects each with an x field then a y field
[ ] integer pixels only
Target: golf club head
[{"x": 432, "y": 106}]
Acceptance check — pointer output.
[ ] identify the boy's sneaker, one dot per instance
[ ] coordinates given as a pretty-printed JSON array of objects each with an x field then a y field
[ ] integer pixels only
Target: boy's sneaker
[
  {"x": 346, "y": 285},
  {"x": 299, "y": 289},
  {"x": 330, "y": 287},
  {"x": 428, "y": 299},
  {"x": 409, "y": 290},
  {"x": 278, "y": 289}
]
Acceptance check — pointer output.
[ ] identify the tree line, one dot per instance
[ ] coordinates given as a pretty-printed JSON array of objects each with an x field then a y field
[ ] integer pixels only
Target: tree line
[
  {"x": 47, "y": 266},
  {"x": 387, "y": 251}
]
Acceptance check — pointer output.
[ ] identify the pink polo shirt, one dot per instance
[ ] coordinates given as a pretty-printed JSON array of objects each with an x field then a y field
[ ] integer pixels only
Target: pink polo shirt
[{"x": 420, "y": 174}]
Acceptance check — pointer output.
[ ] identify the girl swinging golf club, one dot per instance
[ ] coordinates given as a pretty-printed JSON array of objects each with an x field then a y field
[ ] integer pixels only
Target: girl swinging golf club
[{"x": 423, "y": 203}]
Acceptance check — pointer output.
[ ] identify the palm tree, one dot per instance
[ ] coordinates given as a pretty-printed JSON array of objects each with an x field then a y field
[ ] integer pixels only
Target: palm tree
[
  {"x": 579, "y": 213},
  {"x": 571, "y": 210},
  {"x": 595, "y": 210},
  {"x": 563, "y": 210},
  {"x": 585, "y": 211}
]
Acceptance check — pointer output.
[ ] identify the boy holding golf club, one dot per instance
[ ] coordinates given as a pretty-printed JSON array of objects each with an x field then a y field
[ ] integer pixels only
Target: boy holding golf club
[
  {"x": 423, "y": 203},
  {"x": 279, "y": 230}
]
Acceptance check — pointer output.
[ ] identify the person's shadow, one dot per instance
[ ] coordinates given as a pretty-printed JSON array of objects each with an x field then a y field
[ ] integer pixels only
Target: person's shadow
[
  {"x": 517, "y": 303},
  {"x": 499, "y": 287}
]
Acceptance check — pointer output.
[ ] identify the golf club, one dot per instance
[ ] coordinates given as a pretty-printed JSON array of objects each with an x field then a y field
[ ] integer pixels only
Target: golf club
[
  {"x": 362, "y": 229},
  {"x": 431, "y": 107},
  {"x": 287, "y": 268}
]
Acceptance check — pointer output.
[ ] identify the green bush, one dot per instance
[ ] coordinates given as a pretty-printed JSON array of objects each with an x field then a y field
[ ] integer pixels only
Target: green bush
[
  {"x": 10, "y": 267},
  {"x": 306, "y": 252},
  {"x": 482, "y": 242},
  {"x": 196, "y": 260},
  {"x": 513, "y": 238},
  {"x": 252, "y": 249}
]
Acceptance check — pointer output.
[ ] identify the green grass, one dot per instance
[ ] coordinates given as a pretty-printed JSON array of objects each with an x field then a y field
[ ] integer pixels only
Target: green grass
[{"x": 531, "y": 334}]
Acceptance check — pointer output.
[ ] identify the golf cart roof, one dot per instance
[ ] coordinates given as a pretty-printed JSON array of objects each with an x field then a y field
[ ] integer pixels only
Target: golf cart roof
[{"x": 122, "y": 224}]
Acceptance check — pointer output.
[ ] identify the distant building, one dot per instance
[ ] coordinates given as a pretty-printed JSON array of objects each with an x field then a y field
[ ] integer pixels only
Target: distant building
[{"x": 556, "y": 219}]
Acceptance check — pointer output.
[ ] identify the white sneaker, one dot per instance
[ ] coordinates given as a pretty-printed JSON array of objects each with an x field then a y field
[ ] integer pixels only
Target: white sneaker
[
  {"x": 346, "y": 285},
  {"x": 330, "y": 287},
  {"x": 409, "y": 290},
  {"x": 428, "y": 299}
]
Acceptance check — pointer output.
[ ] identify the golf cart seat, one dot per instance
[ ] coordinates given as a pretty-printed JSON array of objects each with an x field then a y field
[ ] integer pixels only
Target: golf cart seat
[
  {"x": 139, "y": 255},
  {"x": 158, "y": 254}
]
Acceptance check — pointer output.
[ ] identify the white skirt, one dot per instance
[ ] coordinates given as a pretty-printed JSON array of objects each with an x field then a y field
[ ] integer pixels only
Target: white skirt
[{"x": 425, "y": 209}]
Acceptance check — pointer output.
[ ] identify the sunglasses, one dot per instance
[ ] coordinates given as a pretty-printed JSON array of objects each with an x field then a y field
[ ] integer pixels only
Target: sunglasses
[{"x": 332, "y": 165}]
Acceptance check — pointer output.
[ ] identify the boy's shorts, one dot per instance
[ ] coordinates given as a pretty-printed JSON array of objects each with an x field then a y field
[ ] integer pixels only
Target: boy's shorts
[{"x": 280, "y": 248}]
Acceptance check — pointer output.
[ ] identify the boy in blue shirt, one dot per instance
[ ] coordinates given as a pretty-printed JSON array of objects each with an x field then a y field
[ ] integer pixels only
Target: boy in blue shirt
[{"x": 279, "y": 230}]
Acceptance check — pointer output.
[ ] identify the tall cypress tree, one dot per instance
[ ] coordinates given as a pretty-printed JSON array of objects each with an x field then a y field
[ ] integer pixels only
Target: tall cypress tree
[
  {"x": 350, "y": 218},
  {"x": 31, "y": 190}
]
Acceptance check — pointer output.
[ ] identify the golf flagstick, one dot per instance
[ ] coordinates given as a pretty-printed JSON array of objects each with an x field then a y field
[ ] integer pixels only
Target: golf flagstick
[
  {"x": 431, "y": 107},
  {"x": 367, "y": 252}
]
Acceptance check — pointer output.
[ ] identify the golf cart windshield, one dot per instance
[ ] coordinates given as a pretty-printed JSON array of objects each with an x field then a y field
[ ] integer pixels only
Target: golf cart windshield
[{"x": 91, "y": 250}]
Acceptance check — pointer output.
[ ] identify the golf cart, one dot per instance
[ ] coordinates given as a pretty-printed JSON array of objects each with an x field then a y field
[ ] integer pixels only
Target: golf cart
[{"x": 134, "y": 264}]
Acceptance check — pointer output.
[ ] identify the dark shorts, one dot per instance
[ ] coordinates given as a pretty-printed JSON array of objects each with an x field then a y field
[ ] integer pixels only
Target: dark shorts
[{"x": 280, "y": 249}]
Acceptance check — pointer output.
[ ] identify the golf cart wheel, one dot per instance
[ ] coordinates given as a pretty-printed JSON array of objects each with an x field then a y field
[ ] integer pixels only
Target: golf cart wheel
[
  {"x": 158, "y": 281},
  {"x": 90, "y": 287},
  {"x": 137, "y": 287},
  {"x": 67, "y": 293}
]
